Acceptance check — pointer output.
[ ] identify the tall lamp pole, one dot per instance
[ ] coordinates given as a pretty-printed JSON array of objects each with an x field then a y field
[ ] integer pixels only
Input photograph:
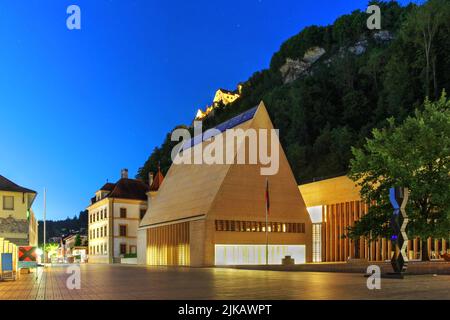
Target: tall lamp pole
[
  {"x": 45, "y": 229},
  {"x": 267, "y": 221},
  {"x": 267, "y": 241}
]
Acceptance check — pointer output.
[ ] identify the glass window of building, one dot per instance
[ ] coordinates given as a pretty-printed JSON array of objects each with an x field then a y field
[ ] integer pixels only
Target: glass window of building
[
  {"x": 8, "y": 203},
  {"x": 123, "y": 230}
]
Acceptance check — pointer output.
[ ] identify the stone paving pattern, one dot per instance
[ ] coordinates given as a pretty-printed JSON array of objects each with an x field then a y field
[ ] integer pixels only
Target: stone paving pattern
[
  {"x": 101, "y": 282},
  {"x": 414, "y": 267}
]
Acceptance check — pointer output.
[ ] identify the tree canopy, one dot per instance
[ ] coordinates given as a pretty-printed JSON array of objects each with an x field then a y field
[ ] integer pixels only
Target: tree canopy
[{"x": 414, "y": 153}]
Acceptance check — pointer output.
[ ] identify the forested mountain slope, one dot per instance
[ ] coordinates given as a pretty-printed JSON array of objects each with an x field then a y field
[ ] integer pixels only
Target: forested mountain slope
[{"x": 328, "y": 86}]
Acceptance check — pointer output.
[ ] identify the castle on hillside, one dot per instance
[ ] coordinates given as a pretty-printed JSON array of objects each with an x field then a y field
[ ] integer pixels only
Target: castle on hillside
[{"x": 222, "y": 96}]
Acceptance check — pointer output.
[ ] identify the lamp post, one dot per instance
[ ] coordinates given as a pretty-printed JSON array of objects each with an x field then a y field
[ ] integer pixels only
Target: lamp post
[
  {"x": 267, "y": 221},
  {"x": 45, "y": 231}
]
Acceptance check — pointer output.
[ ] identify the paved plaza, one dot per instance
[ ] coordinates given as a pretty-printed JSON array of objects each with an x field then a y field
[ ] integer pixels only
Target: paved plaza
[{"x": 135, "y": 282}]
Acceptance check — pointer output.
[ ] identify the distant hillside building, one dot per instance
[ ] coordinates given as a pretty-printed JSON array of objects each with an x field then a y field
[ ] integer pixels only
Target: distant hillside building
[
  {"x": 70, "y": 241},
  {"x": 70, "y": 248},
  {"x": 56, "y": 240},
  {"x": 17, "y": 221},
  {"x": 226, "y": 96},
  {"x": 222, "y": 96},
  {"x": 206, "y": 215},
  {"x": 114, "y": 215}
]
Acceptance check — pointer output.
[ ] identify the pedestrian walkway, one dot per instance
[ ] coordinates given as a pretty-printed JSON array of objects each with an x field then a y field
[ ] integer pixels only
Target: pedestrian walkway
[
  {"x": 120, "y": 282},
  {"x": 360, "y": 267}
]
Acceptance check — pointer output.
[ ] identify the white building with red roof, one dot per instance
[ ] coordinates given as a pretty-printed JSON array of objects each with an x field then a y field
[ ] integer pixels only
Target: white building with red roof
[{"x": 114, "y": 216}]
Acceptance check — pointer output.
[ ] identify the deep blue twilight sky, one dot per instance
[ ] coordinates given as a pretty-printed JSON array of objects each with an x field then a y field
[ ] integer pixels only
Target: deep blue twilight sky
[{"x": 77, "y": 106}]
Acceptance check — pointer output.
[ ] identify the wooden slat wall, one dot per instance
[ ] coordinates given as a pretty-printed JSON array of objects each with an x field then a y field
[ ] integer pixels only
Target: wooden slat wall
[
  {"x": 168, "y": 245},
  {"x": 338, "y": 217}
]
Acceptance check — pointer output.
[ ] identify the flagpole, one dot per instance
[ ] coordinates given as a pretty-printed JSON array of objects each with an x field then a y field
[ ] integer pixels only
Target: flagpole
[{"x": 267, "y": 230}]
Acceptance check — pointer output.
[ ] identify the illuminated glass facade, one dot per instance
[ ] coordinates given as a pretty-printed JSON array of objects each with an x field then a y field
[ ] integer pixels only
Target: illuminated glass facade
[
  {"x": 256, "y": 254},
  {"x": 317, "y": 242}
]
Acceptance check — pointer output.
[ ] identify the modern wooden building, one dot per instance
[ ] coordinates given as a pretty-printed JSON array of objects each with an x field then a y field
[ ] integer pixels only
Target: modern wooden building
[
  {"x": 214, "y": 214},
  {"x": 334, "y": 205}
]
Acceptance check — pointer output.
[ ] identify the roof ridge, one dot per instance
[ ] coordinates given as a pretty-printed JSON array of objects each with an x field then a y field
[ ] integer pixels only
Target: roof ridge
[
  {"x": 157, "y": 181},
  {"x": 126, "y": 188},
  {"x": 8, "y": 185},
  {"x": 222, "y": 127},
  {"x": 221, "y": 186}
]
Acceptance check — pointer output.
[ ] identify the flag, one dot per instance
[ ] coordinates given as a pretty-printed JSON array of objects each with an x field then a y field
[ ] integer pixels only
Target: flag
[{"x": 267, "y": 197}]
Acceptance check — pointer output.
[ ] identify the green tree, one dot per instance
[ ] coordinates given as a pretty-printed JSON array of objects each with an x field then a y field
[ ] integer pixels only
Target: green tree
[
  {"x": 78, "y": 241},
  {"x": 343, "y": 96},
  {"x": 422, "y": 27},
  {"x": 160, "y": 158},
  {"x": 413, "y": 154},
  {"x": 51, "y": 249}
]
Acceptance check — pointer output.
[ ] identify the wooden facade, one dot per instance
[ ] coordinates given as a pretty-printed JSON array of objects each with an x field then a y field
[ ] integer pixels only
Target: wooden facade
[
  {"x": 169, "y": 245},
  {"x": 233, "y": 194},
  {"x": 336, "y": 218}
]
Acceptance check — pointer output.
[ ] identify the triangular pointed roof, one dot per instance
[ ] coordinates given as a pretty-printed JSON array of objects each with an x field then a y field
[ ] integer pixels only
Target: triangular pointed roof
[
  {"x": 192, "y": 190},
  {"x": 157, "y": 180}
]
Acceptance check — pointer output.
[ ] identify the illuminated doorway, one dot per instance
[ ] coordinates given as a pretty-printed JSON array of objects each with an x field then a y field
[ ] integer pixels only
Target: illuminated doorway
[
  {"x": 316, "y": 214},
  {"x": 317, "y": 242}
]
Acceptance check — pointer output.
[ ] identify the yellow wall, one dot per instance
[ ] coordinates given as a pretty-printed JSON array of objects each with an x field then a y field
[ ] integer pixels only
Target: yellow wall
[
  {"x": 112, "y": 239},
  {"x": 20, "y": 205},
  {"x": 94, "y": 225},
  {"x": 329, "y": 191},
  {"x": 33, "y": 230}
]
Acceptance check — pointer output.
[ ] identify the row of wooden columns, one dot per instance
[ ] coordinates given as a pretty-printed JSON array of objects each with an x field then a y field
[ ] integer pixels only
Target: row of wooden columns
[
  {"x": 168, "y": 245},
  {"x": 336, "y": 247}
]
